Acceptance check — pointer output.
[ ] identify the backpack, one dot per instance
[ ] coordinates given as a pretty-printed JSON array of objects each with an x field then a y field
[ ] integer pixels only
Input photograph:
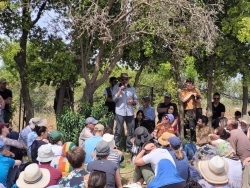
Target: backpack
[{"x": 190, "y": 149}]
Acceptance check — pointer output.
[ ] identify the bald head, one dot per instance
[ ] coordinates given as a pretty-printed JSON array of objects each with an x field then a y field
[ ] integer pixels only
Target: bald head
[{"x": 232, "y": 123}]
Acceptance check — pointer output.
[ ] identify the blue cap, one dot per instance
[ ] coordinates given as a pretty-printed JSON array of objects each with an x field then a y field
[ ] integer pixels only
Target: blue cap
[
  {"x": 175, "y": 142},
  {"x": 170, "y": 117},
  {"x": 1, "y": 144}
]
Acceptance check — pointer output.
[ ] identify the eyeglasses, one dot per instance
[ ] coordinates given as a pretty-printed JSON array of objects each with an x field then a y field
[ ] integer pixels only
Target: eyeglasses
[
  {"x": 124, "y": 79},
  {"x": 216, "y": 98}
]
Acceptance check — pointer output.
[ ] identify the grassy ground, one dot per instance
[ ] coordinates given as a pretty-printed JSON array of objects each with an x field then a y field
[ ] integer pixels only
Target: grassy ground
[{"x": 126, "y": 169}]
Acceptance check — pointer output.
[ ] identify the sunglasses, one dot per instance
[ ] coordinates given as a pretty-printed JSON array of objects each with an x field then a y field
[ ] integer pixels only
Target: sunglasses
[
  {"x": 166, "y": 117},
  {"x": 124, "y": 79},
  {"x": 216, "y": 98}
]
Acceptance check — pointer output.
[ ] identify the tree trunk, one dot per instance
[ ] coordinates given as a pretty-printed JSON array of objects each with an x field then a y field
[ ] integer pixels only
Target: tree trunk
[
  {"x": 245, "y": 95},
  {"x": 20, "y": 59},
  {"x": 88, "y": 93},
  {"x": 209, "y": 90},
  {"x": 138, "y": 74},
  {"x": 60, "y": 98}
]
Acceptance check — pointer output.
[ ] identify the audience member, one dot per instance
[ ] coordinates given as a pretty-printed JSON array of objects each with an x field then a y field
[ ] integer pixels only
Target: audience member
[
  {"x": 55, "y": 139},
  {"x": 6, "y": 163},
  {"x": 2, "y": 105},
  {"x": 97, "y": 179},
  {"x": 90, "y": 144},
  {"x": 214, "y": 173},
  {"x": 162, "y": 108},
  {"x": 193, "y": 184},
  {"x": 33, "y": 177},
  {"x": 244, "y": 123},
  {"x": 44, "y": 157},
  {"x": 148, "y": 110},
  {"x": 125, "y": 98},
  {"x": 113, "y": 177},
  {"x": 87, "y": 131},
  {"x": 42, "y": 135},
  {"x": 191, "y": 97},
  {"x": 167, "y": 176},
  {"x": 163, "y": 140},
  {"x": 175, "y": 124},
  {"x": 223, "y": 122},
  {"x": 237, "y": 116},
  {"x": 218, "y": 110},
  {"x": 78, "y": 176},
  {"x": 179, "y": 157},
  {"x": 61, "y": 162},
  {"x": 165, "y": 125},
  {"x": 7, "y": 96},
  {"x": 202, "y": 131},
  {"x": 238, "y": 140},
  {"x": 139, "y": 118}
]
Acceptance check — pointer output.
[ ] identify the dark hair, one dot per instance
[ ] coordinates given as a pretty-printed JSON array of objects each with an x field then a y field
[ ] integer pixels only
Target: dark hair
[
  {"x": 111, "y": 79},
  {"x": 192, "y": 184},
  {"x": 175, "y": 113},
  {"x": 222, "y": 133},
  {"x": 76, "y": 157},
  {"x": 107, "y": 129},
  {"x": 204, "y": 119},
  {"x": 97, "y": 179},
  {"x": 233, "y": 123},
  {"x": 136, "y": 120},
  {"x": 190, "y": 80},
  {"x": 140, "y": 111},
  {"x": 53, "y": 142},
  {"x": 216, "y": 94},
  {"x": 149, "y": 125},
  {"x": 40, "y": 129},
  {"x": 237, "y": 113},
  {"x": 23, "y": 166}
]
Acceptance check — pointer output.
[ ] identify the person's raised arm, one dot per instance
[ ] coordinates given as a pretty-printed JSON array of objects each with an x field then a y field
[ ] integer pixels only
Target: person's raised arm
[{"x": 117, "y": 92}]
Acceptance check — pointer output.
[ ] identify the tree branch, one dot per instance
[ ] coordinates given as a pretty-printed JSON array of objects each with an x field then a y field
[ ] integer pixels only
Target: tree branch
[{"x": 38, "y": 16}]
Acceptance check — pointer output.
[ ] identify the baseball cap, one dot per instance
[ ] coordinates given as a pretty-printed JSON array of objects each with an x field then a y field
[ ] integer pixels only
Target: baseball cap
[
  {"x": 56, "y": 135},
  {"x": 175, "y": 141},
  {"x": 3, "y": 80},
  {"x": 1, "y": 144},
  {"x": 2, "y": 125},
  {"x": 102, "y": 148},
  {"x": 170, "y": 117},
  {"x": 168, "y": 95},
  {"x": 99, "y": 127},
  {"x": 91, "y": 120},
  {"x": 146, "y": 98}
]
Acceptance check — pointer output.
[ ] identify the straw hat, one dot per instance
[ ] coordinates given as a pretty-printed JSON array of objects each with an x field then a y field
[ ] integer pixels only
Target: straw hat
[
  {"x": 214, "y": 170},
  {"x": 245, "y": 119},
  {"x": 33, "y": 177},
  {"x": 163, "y": 140}
]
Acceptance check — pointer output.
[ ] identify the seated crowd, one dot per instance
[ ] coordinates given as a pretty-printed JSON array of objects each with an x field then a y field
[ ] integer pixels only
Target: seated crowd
[{"x": 161, "y": 159}]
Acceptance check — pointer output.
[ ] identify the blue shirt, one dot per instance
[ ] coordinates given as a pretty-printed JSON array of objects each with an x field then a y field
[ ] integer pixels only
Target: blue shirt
[
  {"x": 23, "y": 136},
  {"x": 122, "y": 107},
  {"x": 181, "y": 165},
  {"x": 31, "y": 137},
  {"x": 5, "y": 163},
  {"x": 149, "y": 112},
  {"x": 89, "y": 147}
]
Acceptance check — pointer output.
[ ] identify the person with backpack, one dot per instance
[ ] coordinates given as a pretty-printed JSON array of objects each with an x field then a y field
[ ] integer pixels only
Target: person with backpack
[{"x": 107, "y": 93}]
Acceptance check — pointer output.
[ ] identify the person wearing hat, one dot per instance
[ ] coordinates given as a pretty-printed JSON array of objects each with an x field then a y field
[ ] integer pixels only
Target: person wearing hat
[
  {"x": 7, "y": 96},
  {"x": 244, "y": 123},
  {"x": 87, "y": 131},
  {"x": 44, "y": 157},
  {"x": 125, "y": 98},
  {"x": 180, "y": 157},
  {"x": 167, "y": 176},
  {"x": 165, "y": 125},
  {"x": 90, "y": 144},
  {"x": 163, "y": 140},
  {"x": 214, "y": 172},
  {"x": 6, "y": 163},
  {"x": 55, "y": 139},
  {"x": 113, "y": 177},
  {"x": 107, "y": 93},
  {"x": 148, "y": 110},
  {"x": 162, "y": 108},
  {"x": 191, "y": 97},
  {"x": 33, "y": 177}
]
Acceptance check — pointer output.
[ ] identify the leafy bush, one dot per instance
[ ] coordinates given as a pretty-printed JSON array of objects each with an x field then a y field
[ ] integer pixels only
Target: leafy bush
[{"x": 71, "y": 123}]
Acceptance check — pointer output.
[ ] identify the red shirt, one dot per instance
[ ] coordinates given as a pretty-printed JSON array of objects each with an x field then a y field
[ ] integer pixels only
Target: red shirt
[{"x": 55, "y": 175}]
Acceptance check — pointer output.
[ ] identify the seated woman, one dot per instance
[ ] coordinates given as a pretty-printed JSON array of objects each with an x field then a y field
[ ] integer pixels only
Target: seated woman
[
  {"x": 113, "y": 177},
  {"x": 42, "y": 133},
  {"x": 179, "y": 157},
  {"x": 165, "y": 125},
  {"x": 167, "y": 176},
  {"x": 97, "y": 179},
  {"x": 139, "y": 118},
  {"x": 175, "y": 124}
]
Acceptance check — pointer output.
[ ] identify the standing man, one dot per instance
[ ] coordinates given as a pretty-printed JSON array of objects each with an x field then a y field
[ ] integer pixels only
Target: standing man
[
  {"x": 148, "y": 110},
  {"x": 125, "y": 99},
  {"x": 7, "y": 96},
  {"x": 107, "y": 93},
  {"x": 218, "y": 110},
  {"x": 162, "y": 108},
  {"x": 191, "y": 97}
]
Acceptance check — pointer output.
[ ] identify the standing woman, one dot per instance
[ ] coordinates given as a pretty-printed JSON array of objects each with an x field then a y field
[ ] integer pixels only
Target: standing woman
[
  {"x": 42, "y": 134},
  {"x": 139, "y": 118},
  {"x": 175, "y": 124}
]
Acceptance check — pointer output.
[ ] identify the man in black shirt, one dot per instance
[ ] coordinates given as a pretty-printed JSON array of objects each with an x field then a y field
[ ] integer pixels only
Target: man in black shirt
[
  {"x": 218, "y": 110},
  {"x": 163, "y": 107},
  {"x": 7, "y": 96}
]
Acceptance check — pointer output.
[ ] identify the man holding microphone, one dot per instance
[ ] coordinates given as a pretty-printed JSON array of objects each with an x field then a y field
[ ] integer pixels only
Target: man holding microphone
[{"x": 125, "y": 99}]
